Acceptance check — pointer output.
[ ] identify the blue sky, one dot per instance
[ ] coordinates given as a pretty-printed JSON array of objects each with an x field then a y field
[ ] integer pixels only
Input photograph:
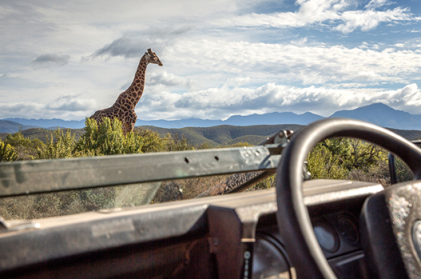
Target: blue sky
[{"x": 67, "y": 59}]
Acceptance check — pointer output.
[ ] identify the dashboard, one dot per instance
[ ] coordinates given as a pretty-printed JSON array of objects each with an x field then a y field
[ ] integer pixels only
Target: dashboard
[{"x": 228, "y": 236}]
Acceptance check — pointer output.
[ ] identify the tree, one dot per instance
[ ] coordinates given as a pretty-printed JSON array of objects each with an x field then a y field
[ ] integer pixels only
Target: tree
[{"x": 364, "y": 155}]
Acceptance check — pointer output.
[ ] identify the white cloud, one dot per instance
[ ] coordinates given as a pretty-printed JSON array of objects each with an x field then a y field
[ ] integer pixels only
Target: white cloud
[
  {"x": 134, "y": 45},
  {"x": 220, "y": 103},
  {"x": 16, "y": 81},
  {"x": 271, "y": 97},
  {"x": 167, "y": 79},
  {"x": 300, "y": 42},
  {"x": 21, "y": 109},
  {"x": 314, "y": 64},
  {"x": 71, "y": 103},
  {"x": 327, "y": 12},
  {"x": 238, "y": 81},
  {"x": 374, "y": 4},
  {"x": 369, "y": 19},
  {"x": 66, "y": 107},
  {"x": 48, "y": 60},
  {"x": 202, "y": 53},
  {"x": 367, "y": 76}
]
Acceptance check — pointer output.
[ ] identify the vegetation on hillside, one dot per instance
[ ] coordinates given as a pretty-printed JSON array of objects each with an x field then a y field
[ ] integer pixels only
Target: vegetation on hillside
[
  {"x": 349, "y": 159},
  {"x": 219, "y": 135},
  {"x": 7, "y": 153}
]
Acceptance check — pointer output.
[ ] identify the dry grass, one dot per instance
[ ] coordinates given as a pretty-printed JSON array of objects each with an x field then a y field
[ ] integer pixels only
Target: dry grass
[
  {"x": 194, "y": 186},
  {"x": 379, "y": 173},
  {"x": 73, "y": 202},
  {"x": 186, "y": 188}
]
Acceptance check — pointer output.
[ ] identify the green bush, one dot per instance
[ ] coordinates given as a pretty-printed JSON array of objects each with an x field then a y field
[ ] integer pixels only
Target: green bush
[
  {"x": 108, "y": 139},
  {"x": 205, "y": 145},
  {"x": 17, "y": 139},
  {"x": 59, "y": 145},
  {"x": 177, "y": 143},
  {"x": 25, "y": 149},
  {"x": 323, "y": 163},
  {"x": 240, "y": 144},
  {"x": 7, "y": 153},
  {"x": 403, "y": 172},
  {"x": 151, "y": 140}
]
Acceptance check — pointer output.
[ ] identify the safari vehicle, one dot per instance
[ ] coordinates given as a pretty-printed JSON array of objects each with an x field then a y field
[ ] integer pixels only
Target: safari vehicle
[{"x": 304, "y": 229}]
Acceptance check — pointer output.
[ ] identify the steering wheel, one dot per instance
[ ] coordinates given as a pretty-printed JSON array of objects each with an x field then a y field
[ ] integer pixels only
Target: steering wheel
[{"x": 391, "y": 232}]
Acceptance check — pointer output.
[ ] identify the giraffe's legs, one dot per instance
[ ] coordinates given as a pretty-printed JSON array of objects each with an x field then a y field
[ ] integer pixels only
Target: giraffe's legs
[
  {"x": 127, "y": 127},
  {"x": 129, "y": 121}
]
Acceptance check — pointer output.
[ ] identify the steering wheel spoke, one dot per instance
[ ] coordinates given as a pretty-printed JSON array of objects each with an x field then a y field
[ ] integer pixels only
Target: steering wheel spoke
[{"x": 391, "y": 221}]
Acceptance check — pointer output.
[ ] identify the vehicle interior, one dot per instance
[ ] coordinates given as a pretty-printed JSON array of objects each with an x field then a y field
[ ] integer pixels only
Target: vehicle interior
[{"x": 302, "y": 229}]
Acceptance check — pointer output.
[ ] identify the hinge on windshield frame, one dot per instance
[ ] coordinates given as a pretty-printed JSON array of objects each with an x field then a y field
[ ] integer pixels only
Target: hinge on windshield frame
[{"x": 275, "y": 144}]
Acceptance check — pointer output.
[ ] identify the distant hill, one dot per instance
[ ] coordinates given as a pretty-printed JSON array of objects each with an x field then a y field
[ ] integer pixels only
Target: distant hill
[
  {"x": 274, "y": 118},
  {"x": 225, "y": 134},
  {"x": 378, "y": 114},
  {"x": 252, "y": 134},
  {"x": 408, "y": 134},
  {"x": 219, "y": 135},
  {"x": 12, "y": 127},
  {"x": 41, "y": 133},
  {"x": 382, "y": 115},
  {"x": 49, "y": 123}
]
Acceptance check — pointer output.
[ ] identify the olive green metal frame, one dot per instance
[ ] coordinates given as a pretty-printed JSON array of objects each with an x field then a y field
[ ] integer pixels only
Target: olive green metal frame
[{"x": 39, "y": 176}]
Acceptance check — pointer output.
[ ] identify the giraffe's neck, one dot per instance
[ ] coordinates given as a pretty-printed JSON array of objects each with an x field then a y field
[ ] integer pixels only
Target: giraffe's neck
[
  {"x": 138, "y": 84},
  {"x": 129, "y": 98}
]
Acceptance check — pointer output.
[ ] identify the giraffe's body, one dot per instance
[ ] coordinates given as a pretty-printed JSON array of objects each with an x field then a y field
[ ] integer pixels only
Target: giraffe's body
[{"x": 124, "y": 107}]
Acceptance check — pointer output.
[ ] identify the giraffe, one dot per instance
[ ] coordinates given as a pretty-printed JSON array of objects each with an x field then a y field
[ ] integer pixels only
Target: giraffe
[{"x": 126, "y": 102}]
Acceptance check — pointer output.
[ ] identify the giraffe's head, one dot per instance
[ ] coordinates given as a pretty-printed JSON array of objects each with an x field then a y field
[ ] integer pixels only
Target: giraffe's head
[{"x": 152, "y": 58}]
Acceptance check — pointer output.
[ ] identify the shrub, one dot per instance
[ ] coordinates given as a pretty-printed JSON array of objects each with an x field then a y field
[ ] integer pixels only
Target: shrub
[
  {"x": 108, "y": 139},
  {"x": 7, "y": 153},
  {"x": 403, "y": 172},
  {"x": 325, "y": 164},
  {"x": 376, "y": 173},
  {"x": 25, "y": 149},
  {"x": 151, "y": 140},
  {"x": 364, "y": 155},
  {"x": 240, "y": 144},
  {"x": 177, "y": 143},
  {"x": 17, "y": 139},
  {"x": 59, "y": 145}
]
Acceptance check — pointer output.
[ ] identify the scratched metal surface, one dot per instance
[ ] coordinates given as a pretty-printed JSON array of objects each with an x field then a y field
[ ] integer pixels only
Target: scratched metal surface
[
  {"x": 405, "y": 209},
  {"x": 28, "y": 177}
]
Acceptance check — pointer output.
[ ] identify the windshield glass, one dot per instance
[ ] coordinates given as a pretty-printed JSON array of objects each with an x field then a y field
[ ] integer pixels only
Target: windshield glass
[
  {"x": 345, "y": 158},
  {"x": 78, "y": 201},
  {"x": 123, "y": 78}
]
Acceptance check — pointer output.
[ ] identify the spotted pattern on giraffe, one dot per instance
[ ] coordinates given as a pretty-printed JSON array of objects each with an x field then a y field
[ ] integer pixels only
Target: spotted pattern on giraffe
[{"x": 124, "y": 106}]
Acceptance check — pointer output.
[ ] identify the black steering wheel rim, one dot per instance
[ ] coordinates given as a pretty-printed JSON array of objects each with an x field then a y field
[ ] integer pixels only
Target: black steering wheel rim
[{"x": 293, "y": 218}]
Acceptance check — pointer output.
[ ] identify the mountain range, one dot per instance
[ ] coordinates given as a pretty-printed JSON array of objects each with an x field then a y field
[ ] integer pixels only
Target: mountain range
[
  {"x": 214, "y": 136},
  {"x": 378, "y": 113}
]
